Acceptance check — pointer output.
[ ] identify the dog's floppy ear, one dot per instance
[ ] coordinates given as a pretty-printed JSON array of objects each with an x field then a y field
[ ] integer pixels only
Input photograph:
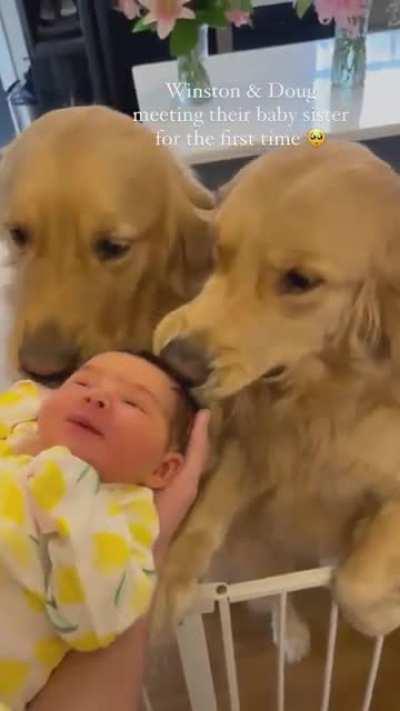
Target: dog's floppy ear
[
  {"x": 190, "y": 227},
  {"x": 191, "y": 254},
  {"x": 365, "y": 336},
  {"x": 391, "y": 322},
  {"x": 372, "y": 327},
  {"x": 390, "y": 296},
  {"x": 375, "y": 317}
]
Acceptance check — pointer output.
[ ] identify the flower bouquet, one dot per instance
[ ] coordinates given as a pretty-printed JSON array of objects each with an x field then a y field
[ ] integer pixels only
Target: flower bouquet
[
  {"x": 180, "y": 19},
  {"x": 351, "y": 27},
  {"x": 185, "y": 23}
]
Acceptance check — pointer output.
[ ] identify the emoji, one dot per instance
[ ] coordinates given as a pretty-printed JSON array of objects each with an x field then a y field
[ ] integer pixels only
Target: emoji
[{"x": 316, "y": 137}]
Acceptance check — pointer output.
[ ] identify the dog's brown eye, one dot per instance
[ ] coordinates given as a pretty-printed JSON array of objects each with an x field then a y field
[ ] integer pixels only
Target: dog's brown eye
[
  {"x": 296, "y": 282},
  {"x": 19, "y": 236},
  {"x": 107, "y": 249}
]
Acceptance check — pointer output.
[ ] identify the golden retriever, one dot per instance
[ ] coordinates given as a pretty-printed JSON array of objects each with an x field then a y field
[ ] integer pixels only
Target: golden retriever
[
  {"x": 297, "y": 335},
  {"x": 107, "y": 231}
]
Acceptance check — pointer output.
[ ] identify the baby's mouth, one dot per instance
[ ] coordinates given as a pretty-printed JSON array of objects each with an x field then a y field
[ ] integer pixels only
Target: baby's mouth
[{"x": 85, "y": 423}]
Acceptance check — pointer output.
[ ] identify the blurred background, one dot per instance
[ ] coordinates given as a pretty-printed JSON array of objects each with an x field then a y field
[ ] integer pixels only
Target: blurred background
[{"x": 56, "y": 53}]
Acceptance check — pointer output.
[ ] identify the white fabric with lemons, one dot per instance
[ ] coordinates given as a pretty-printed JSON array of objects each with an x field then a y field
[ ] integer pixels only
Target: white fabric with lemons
[{"x": 76, "y": 563}]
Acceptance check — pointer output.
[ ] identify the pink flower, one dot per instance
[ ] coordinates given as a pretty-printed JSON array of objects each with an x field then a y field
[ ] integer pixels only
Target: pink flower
[
  {"x": 342, "y": 11},
  {"x": 165, "y": 13},
  {"x": 130, "y": 8},
  {"x": 238, "y": 17}
]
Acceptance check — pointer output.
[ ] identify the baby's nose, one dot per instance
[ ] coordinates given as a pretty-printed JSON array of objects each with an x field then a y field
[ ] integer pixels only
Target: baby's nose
[{"x": 97, "y": 399}]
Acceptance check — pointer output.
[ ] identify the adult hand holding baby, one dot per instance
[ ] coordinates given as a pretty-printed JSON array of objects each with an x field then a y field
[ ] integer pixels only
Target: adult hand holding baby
[{"x": 174, "y": 501}]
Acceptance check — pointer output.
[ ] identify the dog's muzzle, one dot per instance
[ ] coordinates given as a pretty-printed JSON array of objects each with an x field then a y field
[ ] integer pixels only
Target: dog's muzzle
[
  {"x": 189, "y": 359},
  {"x": 46, "y": 356}
]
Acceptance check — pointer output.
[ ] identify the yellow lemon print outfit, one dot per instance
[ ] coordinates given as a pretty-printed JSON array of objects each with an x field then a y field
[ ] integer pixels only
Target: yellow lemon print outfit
[{"x": 76, "y": 565}]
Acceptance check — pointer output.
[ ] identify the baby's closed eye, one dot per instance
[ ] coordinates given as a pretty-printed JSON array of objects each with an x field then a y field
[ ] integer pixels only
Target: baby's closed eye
[
  {"x": 134, "y": 403},
  {"x": 81, "y": 383}
]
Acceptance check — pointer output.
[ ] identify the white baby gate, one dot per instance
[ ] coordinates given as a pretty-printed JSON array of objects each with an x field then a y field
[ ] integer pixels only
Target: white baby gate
[{"x": 193, "y": 647}]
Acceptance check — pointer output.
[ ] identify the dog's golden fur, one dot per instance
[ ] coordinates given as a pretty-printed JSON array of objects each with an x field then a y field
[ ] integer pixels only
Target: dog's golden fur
[
  {"x": 309, "y": 462},
  {"x": 76, "y": 185},
  {"x": 307, "y": 279}
]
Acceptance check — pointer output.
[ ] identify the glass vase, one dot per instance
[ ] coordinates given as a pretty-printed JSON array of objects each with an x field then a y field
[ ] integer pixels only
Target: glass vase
[
  {"x": 350, "y": 51},
  {"x": 393, "y": 13},
  {"x": 192, "y": 72}
]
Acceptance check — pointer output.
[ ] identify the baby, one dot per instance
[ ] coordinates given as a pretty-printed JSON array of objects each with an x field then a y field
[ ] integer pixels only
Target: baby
[{"x": 77, "y": 518}]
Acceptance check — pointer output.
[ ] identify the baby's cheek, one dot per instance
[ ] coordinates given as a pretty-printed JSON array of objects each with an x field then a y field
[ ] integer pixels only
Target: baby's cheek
[
  {"x": 49, "y": 423},
  {"x": 144, "y": 447},
  {"x": 45, "y": 425}
]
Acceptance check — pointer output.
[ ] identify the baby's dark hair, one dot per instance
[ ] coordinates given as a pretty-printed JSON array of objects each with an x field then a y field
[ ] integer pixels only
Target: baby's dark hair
[{"x": 187, "y": 406}]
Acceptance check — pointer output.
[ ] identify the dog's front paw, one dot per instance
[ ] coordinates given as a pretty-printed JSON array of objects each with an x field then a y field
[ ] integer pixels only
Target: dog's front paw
[
  {"x": 174, "y": 598},
  {"x": 370, "y": 605},
  {"x": 297, "y": 641},
  {"x": 187, "y": 560}
]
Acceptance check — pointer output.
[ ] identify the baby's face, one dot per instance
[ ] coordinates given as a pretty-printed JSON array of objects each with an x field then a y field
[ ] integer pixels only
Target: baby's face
[{"x": 115, "y": 413}]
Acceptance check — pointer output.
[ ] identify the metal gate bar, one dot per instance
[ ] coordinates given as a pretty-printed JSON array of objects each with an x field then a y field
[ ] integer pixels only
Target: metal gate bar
[
  {"x": 281, "y": 652},
  {"x": 193, "y": 646},
  {"x": 229, "y": 651},
  {"x": 373, "y": 672},
  {"x": 193, "y": 651}
]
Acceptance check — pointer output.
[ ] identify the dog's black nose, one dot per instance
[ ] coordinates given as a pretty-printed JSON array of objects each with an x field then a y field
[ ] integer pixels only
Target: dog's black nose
[
  {"x": 190, "y": 360},
  {"x": 46, "y": 356}
]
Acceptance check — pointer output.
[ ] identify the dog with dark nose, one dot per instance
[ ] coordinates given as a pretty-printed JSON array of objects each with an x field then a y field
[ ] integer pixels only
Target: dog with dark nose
[
  {"x": 189, "y": 359},
  {"x": 106, "y": 232},
  {"x": 46, "y": 357},
  {"x": 301, "y": 316}
]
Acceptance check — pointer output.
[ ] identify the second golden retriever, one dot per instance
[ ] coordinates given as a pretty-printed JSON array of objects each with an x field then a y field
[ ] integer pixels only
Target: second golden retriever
[{"x": 298, "y": 334}]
